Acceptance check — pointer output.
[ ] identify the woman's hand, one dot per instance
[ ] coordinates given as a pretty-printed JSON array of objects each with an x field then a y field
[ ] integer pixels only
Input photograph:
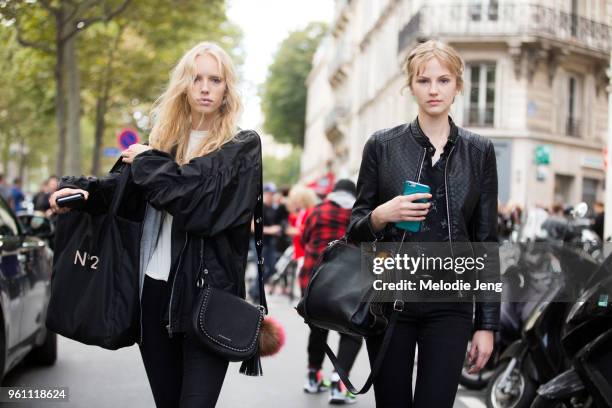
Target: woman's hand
[
  {"x": 400, "y": 208},
  {"x": 482, "y": 347},
  {"x": 127, "y": 156},
  {"x": 62, "y": 193}
]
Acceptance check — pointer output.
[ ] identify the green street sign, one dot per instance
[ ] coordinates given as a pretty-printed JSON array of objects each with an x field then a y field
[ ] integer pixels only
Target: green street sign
[{"x": 542, "y": 154}]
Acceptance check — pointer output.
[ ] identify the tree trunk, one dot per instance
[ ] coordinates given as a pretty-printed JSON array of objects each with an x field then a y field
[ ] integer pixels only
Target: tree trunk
[
  {"x": 102, "y": 104},
  {"x": 101, "y": 107},
  {"x": 73, "y": 107},
  {"x": 60, "y": 99},
  {"x": 23, "y": 159}
]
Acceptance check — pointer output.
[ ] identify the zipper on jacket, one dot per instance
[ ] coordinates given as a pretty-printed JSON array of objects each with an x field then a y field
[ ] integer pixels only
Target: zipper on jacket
[
  {"x": 142, "y": 289},
  {"x": 178, "y": 266},
  {"x": 421, "y": 168},
  {"x": 448, "y": 220}
]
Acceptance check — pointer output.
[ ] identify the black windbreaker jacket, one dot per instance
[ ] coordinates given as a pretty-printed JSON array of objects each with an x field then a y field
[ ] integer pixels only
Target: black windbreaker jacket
[
  {"x": 212, "y": 200},
  {"x": 392, "y": 156}
]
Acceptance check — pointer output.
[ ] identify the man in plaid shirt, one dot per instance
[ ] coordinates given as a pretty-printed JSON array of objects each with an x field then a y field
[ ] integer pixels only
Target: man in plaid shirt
[{"x": 327, "y": 222}]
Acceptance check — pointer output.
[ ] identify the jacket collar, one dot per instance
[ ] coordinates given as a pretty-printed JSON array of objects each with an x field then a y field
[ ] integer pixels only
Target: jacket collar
[{"x": 423, "y": 140}]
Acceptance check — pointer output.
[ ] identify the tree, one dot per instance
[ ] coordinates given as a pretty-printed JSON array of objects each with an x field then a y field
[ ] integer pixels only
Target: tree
[
  {"x": 284, "y": 91},
  {"x": 283, "y": 172},
  {"x": 57, "y": 36},
  {"x": 26, "y": 106},
  {"x": 126, "y": 61}
]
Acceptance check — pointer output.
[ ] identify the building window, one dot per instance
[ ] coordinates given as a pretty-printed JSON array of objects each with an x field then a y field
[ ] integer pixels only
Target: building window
[
  {"x": 572, "y": 124},
  {"x": 484, "y": 10},
  {"x": 589, "y": 190},
  {"x": 563, "y": 188},
  {"x": 480, "y": 106},
  {"x": 574, "y": 18}
]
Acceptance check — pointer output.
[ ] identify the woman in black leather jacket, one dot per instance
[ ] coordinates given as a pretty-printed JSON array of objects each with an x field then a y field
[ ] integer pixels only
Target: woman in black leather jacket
[{"x": 460, "y": 169}]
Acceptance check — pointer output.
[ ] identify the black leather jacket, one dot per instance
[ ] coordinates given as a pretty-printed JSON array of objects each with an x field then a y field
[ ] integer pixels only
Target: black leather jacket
[{"x": 392, "y": 156}]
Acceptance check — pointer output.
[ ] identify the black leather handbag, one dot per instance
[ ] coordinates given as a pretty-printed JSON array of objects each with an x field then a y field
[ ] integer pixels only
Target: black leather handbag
[
  {"x": 340, "y": 297},
  {"x": 227, "y": 324}
]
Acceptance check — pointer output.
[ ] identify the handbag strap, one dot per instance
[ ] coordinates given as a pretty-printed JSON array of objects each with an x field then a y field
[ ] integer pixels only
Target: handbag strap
[
  {"x": 380, "y": 356},
  {"x": 259, "y": 214},
  {"x": 258, "y": 218}
]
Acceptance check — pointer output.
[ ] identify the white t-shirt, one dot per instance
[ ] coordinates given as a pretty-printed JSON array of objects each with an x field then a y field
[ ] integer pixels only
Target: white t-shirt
[{"x": 159, "y": 264}]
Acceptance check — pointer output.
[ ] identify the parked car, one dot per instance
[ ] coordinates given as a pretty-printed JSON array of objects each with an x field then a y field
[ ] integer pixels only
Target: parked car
[{"x": 25, "y": 279}]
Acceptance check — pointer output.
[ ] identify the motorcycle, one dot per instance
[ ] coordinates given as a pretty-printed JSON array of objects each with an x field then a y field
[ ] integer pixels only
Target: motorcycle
[
  {"x": 538, "y": 355},
  {"x": 587, "y": 337}
]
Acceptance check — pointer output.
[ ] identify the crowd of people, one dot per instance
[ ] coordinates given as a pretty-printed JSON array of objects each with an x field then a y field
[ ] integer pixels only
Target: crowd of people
[{"x": 15, "y": 195}]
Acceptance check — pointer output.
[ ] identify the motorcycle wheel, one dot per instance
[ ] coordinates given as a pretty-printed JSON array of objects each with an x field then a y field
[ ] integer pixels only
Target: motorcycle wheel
[{"x": 515, "y": 391}]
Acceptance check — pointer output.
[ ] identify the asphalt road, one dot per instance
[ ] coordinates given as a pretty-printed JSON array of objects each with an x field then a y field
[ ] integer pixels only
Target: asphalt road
[{"x": 98, "y": 378}]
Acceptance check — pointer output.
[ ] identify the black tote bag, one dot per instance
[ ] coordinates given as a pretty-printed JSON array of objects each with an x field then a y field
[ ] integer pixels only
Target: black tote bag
[{"x": 95, "y": 281}]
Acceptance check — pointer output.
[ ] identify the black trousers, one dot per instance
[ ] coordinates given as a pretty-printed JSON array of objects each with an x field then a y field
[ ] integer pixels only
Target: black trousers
[
  {"x": 347, "y": 349},
  {"x": 181, "y": 373},
  {"x": 442, "y": 331}
]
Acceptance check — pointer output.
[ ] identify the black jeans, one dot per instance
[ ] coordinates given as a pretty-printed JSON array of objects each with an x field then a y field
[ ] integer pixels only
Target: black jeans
[
  {"x": 347, "y": 349},
  {"x": 181, "y": 373},
  {"x": 442, "y": 331}
]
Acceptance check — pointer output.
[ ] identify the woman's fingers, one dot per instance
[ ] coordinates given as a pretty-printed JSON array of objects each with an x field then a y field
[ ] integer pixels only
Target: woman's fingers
[
  {"x": 63, "y": 193},
  {"x": 417, "y": 196}
]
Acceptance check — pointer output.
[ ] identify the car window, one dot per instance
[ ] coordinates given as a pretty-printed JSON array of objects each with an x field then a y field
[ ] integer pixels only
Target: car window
[{"x": 8, "y": 223}]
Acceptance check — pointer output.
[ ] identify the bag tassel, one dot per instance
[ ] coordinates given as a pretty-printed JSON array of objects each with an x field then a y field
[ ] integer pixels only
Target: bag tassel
[{"x": 252, "y": 366}]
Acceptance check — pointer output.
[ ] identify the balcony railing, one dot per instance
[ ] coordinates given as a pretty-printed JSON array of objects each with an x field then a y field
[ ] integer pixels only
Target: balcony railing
[{"x": 511, "y": 19}]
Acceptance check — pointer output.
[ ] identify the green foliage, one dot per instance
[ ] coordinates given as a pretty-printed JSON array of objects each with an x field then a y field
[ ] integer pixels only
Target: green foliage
[
  {"x": 134, "y": 53},
  {"x": 284, "y": 92},
  {"x": 283, "y": 172},
  {"x": 26, "y": 105}
]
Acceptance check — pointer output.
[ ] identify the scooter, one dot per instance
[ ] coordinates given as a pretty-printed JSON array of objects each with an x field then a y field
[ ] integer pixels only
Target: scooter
[
  {"x": 538, "y": 356},
  {"x": 587, "y": 337}
]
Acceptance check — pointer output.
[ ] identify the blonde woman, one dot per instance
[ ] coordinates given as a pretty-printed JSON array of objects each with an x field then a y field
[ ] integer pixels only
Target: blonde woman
[
  {"x": 200, "y": 177},
  {"x": 459, "y": 167}
]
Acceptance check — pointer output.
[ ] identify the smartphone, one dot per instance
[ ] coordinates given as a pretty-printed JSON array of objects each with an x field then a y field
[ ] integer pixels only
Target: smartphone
[
  {"x": 71, "y": 201},
  {"x": 411, "y": 187}
]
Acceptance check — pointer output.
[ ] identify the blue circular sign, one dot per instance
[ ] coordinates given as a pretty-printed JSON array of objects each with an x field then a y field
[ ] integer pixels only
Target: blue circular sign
[{"x": 127, "y": 137}]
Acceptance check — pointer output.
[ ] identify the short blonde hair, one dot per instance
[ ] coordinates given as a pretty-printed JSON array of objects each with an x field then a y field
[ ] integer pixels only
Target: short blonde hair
[
  {"x": 424, "y": 52},
  {"x": 302, "y": 197}
]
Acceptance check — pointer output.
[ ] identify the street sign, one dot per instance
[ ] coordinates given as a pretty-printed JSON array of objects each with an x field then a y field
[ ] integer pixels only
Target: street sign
[
  {"x": 542, "y": 154},
  {"x": 127, "y": 137},
  {"x": 111, "y": 152}
]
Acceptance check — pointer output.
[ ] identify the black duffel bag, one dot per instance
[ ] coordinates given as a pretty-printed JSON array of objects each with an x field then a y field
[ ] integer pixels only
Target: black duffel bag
[
  {"x": 95, "y": 281},
  {"x": 340, "y": 297}
]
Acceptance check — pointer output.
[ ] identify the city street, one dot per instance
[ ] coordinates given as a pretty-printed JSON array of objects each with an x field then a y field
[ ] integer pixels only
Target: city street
[{"x": 99, "y": 378}]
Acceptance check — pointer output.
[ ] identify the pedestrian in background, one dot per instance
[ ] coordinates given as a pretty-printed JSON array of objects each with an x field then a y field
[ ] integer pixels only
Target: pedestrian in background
[
  {"x": 200, "y": 176},
  {"x": 300, "y": 202},
  {"x": 41, "y": 199},
  {"x": 327, "y": 222},
  {"x": 17, "y": 195},
  {"x": 271, "y": 233},
  {"x": 598, "y": 219}
]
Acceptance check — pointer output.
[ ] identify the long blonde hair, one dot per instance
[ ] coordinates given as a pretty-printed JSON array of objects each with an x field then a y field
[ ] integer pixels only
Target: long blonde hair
[{"x": 172, "y": 112}]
